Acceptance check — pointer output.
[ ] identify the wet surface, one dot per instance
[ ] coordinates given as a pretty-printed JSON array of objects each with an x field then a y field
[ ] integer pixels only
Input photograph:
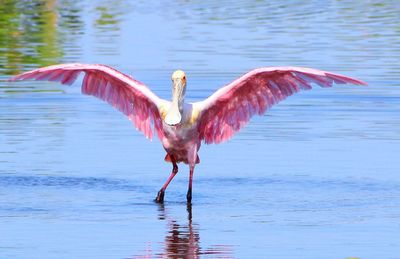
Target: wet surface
[{"x": 316, "y": 176}]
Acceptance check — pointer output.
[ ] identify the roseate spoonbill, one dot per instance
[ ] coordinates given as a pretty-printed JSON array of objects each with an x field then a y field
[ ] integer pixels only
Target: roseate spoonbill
[{"x": 182, "y": 126}]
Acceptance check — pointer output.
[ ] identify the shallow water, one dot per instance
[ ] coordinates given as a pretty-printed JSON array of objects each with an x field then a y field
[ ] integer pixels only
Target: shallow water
[{"x": 316, "y": 177}]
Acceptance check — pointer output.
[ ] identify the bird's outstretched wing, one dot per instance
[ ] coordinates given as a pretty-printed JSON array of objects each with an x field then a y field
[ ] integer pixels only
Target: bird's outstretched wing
[
  {"x": 129, "y": 96},
  {"x": 231, "y": 107}
]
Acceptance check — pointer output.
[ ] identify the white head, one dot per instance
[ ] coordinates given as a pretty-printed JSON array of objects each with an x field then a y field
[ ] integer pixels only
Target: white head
[{"x": 174, "y": 115}]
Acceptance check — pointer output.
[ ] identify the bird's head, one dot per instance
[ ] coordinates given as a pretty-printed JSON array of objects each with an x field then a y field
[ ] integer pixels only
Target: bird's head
[
  {"x": 178, "y": 95},
  {"x": 178, "y": 83}
]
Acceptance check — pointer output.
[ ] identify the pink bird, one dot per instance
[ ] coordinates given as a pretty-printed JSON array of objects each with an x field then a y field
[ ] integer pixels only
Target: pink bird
[{"x": 182, "y": 126}]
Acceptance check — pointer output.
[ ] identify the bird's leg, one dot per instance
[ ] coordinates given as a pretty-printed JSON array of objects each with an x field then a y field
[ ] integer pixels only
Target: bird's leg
[
  {"x": 189, "y": 192},
  {"x": 160, "y": 194}
]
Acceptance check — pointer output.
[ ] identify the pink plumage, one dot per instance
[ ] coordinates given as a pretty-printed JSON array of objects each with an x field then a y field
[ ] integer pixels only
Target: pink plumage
[
  {"x": 119, "y": 90},
  {"x": 214, "y": 120},
  {"x": 231, "y": 107}
]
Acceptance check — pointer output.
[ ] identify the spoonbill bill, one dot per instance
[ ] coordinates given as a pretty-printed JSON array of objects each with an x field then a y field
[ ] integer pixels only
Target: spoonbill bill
[{"x": 182, "y": 126}]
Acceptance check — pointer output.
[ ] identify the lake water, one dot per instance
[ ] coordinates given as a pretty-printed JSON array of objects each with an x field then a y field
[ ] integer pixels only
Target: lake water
[{"x": 318, "y": 176}]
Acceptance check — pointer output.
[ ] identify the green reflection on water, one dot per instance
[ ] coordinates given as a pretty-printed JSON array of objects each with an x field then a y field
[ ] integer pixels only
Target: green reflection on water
[{"x": 30, "y": 34}]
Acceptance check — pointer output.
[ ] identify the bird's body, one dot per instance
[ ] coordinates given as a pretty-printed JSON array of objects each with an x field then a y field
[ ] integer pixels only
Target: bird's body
[
  {"x": 182, "y": 126},
  {"x": 182, "y": 139}
]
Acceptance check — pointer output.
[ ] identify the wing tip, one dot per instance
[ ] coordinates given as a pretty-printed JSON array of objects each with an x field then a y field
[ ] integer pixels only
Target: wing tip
[
  {"x": 12, "y": 79},
  {"x": 16, "y": 78},
  {"x": 345, "y": 79},
  {"x": 360, "y": 82}
]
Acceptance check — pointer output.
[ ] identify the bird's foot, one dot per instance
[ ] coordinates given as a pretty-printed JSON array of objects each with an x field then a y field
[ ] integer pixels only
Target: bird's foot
[
  {"x": 189, "y": 196},
  {"x": 160, "y": 196}
]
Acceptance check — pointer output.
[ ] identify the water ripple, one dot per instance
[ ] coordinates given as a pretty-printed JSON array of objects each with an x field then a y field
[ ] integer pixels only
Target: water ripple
[{"x": 86, "y": 183}]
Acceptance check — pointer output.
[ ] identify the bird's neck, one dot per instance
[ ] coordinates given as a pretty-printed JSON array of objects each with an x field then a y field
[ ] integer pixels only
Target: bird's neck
[
  {"x": 178, "y": 99},
  {"x": 179, "y": 103}
]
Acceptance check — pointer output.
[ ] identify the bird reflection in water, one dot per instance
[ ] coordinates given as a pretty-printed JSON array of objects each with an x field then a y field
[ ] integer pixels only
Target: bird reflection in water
[{"x": 183, "y": 240}]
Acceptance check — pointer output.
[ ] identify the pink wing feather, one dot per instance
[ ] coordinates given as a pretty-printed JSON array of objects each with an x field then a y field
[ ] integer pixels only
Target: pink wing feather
[
  {"x": 129, "y": 96},
  {"x": 231, "y": 107}
]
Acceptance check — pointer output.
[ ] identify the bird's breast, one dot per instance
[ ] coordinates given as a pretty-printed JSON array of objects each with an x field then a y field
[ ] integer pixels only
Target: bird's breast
[
  {"x": 179, "y": 132},
  {"x": 190, "y": 115}
]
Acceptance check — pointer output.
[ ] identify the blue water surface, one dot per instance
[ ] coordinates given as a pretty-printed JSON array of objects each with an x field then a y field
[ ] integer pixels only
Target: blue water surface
[{"x": 318, "y": 176}]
